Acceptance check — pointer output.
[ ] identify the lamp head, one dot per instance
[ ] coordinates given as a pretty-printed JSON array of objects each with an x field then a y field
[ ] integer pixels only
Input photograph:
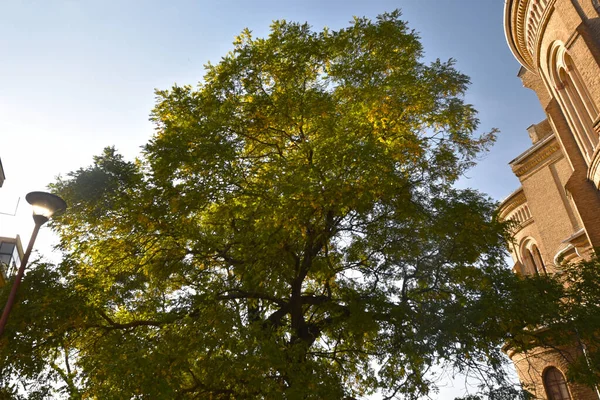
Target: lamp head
[{"x": 45, "y": 205}]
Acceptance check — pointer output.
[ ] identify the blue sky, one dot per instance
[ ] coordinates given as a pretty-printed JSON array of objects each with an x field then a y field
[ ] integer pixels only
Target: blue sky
[{"x": 76, "y": 76}]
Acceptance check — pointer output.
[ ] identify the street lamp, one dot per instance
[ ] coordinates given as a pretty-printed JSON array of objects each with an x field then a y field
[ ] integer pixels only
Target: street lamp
[{"x": 45, "y": 205}]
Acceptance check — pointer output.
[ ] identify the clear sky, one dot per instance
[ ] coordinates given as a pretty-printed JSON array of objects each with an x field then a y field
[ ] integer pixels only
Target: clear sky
[{"x": 79, "y": 75}]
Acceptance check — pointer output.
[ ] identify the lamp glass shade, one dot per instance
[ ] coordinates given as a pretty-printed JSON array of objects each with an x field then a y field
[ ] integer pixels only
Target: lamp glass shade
[{"x": 46, "y": 204}]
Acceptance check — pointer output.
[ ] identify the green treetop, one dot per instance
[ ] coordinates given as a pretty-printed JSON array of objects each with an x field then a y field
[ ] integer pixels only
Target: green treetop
[{"x": 291, "y": 231}]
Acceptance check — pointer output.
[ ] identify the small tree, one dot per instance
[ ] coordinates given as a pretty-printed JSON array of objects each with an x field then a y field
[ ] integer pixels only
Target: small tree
[
  {"x": 290, "y": 231},
  {"x": 567, "y": 314}
]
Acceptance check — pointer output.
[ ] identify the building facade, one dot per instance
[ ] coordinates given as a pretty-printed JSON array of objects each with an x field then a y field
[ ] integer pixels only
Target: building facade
[
  {"x": 557, "y": 207},
  {"x": 11, "y": 253},
  {"x": 11, "y": 250}
]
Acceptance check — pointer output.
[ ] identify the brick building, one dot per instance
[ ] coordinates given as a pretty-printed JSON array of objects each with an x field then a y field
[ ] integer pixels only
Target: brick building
[
  {"x": 557, "y": 206},
  {"x": 11, "y": 253}
]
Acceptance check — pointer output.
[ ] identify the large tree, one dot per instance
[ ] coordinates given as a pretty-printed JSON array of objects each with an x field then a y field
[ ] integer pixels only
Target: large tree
[{"x": 290, "y": 231}]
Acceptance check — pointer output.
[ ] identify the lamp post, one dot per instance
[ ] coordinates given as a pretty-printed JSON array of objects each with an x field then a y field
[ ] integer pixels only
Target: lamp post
[{"x": 45, "y": 205}]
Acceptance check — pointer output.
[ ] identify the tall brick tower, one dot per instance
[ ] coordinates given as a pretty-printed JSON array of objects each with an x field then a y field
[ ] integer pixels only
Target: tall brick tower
[{"x": 557, "y": 206}]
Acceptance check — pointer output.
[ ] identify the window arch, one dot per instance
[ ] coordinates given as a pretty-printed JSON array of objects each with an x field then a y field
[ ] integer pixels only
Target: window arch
[
  {"x": 532, "y": 258},
  {"x": 555, "y": 385},
  {"x": 574, "y": 98},
  {"x": 540, "y": 267}
]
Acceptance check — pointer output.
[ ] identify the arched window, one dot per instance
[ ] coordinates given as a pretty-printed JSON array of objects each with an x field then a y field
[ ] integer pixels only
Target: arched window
[
  {"x": 555, "y": 385},
  {"x": 532, "y": 258},
  {"x": 540, "y": 267},
  {"x": 574, "y": 98}
]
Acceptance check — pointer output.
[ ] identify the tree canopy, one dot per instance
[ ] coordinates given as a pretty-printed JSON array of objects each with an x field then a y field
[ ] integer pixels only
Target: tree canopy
[{"x": 291, "y": 230}]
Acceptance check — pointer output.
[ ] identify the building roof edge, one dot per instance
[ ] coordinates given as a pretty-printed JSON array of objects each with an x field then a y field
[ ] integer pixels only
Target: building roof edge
[
  {"x": 508, "y": 198},
  {"x": 510, "y": 34},
  {"x": 532, "y": 150}
]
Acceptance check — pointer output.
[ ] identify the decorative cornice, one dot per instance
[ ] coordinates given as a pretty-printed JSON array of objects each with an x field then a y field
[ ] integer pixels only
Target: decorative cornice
[
  {"x": 513, "y": 201},
  {"x": 536, "y": 159},
  {"x": 511, "y": 13},
  {"x": 514, "y": 208},
  {"x": 523, "y": 22},
  {"x": 532, "y": 149}
]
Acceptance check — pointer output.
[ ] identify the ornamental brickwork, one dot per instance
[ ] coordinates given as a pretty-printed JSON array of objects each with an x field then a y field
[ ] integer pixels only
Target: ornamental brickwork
[{"x": 557, "y": 207}]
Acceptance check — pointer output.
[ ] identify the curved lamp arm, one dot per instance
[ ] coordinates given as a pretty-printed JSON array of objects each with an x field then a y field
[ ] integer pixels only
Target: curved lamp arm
[{"x": 45, "y": 205}]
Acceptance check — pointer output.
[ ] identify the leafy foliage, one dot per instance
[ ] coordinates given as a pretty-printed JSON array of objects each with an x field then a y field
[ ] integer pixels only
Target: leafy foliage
[
  {"x": 567, "y": 310},
  {"x": 291, "y": 231}
]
